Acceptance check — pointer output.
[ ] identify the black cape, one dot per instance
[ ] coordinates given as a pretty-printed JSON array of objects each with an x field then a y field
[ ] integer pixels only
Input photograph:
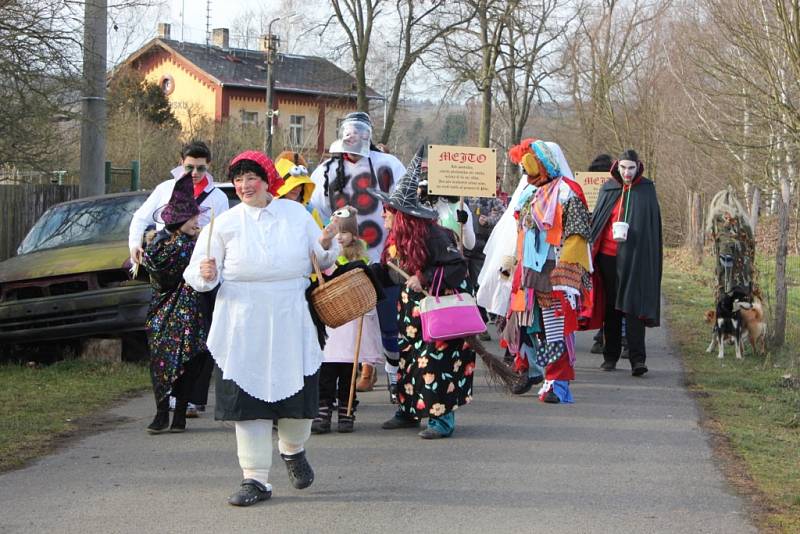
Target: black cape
[{"x": 640, "y": 258}]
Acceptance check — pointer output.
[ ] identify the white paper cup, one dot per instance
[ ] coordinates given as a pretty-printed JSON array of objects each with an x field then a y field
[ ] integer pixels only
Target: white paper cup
[{"x": 619, "y": 230}]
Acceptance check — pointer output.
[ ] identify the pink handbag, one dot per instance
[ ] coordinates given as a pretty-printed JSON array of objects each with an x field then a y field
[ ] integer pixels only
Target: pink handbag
[{"x": 449, "y": 316}]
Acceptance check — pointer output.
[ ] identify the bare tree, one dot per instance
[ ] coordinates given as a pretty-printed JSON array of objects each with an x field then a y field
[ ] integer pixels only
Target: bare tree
[
  {"x": 471, "y": 55},
  {"x": 527, "y": 60}
]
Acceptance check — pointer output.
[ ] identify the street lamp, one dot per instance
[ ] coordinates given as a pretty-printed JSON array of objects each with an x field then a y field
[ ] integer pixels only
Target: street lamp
[{"x": 272, "y": 46}]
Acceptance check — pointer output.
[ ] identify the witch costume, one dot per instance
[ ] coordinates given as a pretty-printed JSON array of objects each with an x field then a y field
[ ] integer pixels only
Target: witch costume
[
  {"x": 628, "y": 278},
  {"x": 550, "y": 276},
  {"x": 434, "y": 377},
  {"x": 263, "y": 339},
  {"x": 176, "y": 324}
]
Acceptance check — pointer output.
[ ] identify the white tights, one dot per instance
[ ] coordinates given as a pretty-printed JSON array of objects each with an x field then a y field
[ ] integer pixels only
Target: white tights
[{"x": 254, "y": 443}]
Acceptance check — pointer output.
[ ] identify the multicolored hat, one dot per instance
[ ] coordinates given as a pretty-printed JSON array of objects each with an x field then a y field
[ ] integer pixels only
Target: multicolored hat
[
  {"x": 404, "y": 197},
  {"x": 274, "y": 181},
  {"x": 182, "y": 205}
]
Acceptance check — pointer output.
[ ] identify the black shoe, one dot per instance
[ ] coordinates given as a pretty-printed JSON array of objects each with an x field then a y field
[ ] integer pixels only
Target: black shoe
[
  {"x": 523, "y": 387},
  {"x": 608, "y": 366},
  {"x": 179, "y": 418},
  {"x": 251, "y": 492},
  {"x": 300, "y": 473},
  {"x": 551, "y": 397},
  {"x": 639, "y": 369},
  {"x": 597, "y": 348},
  {"x": 400, "y": 422},
  {"x": 160, "y": 423}
]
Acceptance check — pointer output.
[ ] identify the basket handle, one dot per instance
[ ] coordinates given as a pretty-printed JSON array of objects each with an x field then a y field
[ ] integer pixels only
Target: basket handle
[
  {"x": 317, "y": 270},
  {"x": 404, "y": 274}
]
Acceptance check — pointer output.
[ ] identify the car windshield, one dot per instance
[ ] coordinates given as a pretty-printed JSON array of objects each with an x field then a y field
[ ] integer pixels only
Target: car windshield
[{"x": 80, "y": 223}]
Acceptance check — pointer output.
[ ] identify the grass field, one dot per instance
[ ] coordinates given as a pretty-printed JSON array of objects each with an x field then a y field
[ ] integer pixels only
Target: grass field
[
  {"x": 754, "y": 403},
  {"x": 40, "y": 407}
]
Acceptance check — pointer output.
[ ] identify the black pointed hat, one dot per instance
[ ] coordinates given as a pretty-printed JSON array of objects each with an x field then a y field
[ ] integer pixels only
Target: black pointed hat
[
  {"x": 404, "y": 197},
  {"x": 181, "y": 206}
]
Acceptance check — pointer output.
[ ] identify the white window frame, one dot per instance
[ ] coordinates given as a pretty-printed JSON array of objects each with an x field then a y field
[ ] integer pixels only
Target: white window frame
[{"x": 297, "y": 125}]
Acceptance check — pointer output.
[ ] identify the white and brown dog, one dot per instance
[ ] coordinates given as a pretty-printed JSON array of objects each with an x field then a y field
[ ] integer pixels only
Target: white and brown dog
[{"x": 735, "y": 318}]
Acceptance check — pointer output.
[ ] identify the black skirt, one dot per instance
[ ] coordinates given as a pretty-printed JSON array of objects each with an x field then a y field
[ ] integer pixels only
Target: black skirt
[{"x": 235, "y": 404}]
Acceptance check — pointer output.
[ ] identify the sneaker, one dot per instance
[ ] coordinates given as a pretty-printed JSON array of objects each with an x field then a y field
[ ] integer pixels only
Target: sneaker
[{"x": 250, "y": 492}]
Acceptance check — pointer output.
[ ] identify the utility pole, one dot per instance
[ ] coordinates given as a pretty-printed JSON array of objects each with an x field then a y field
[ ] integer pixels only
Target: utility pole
[
  {"x": 272, "y": 49},
  {"x": 93, "y": 124}
]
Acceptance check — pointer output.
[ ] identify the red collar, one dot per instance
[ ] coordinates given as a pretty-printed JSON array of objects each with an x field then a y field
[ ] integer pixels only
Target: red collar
[{"x": 200, "y": 186}]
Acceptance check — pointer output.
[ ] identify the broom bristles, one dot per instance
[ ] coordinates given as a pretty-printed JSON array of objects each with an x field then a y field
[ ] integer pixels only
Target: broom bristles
[{"x": 499, "y": 372}]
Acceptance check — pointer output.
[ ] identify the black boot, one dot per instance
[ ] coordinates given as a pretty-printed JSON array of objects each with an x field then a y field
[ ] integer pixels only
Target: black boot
[
  {"x": 345, "y": 422},
  {"x": 161, "y": 420},
  {"x": 322, "y": 422},
  {"x": 179, "y": 417}
]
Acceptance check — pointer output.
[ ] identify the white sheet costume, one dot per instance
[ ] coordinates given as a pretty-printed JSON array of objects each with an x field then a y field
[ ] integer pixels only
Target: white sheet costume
[
  {"x": 262, "y": 336},
  {"x": 387, "y": 170}
]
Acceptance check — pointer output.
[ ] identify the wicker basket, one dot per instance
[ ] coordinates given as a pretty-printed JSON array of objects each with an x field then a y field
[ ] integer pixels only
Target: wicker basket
[{"x": 343, "y": 299}]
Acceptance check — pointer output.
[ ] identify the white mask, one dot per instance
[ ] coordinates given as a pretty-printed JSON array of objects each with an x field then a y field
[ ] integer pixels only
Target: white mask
[{"x": 627, "y": 170}]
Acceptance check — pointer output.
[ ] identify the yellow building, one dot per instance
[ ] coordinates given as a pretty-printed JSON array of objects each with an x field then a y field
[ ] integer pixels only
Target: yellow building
[{"x": 311, "y": 94}]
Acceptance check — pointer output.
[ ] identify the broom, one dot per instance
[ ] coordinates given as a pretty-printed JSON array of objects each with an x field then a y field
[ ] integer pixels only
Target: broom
[{"x": 499, "y": 372}]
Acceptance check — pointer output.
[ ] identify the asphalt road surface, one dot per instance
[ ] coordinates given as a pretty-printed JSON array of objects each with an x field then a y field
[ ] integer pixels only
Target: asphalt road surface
[{"x": 628, "y": 456}]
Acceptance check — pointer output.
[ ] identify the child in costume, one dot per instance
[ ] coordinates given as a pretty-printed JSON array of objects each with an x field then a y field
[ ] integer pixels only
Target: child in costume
[
  {"x": 176, "y": 325},
  {"x": 337, "y": 367},
  {"x": 297, "y": 184},
  {"x": 551, "y": 278}
]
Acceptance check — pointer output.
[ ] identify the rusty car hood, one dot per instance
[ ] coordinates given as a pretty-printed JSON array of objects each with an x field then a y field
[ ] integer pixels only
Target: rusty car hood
[{"x": 65, "y": 261}]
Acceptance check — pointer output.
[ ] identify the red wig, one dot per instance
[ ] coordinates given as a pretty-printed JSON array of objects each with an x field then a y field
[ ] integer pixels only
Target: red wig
[{"x": 408, "y": 235}]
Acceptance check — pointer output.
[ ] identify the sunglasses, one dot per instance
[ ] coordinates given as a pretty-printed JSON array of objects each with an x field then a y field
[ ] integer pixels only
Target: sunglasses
[{"x": 191, "y": 168}]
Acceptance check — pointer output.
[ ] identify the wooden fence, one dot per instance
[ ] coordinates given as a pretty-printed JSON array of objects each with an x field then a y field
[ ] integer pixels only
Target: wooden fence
[{"x": 21, "y": 205}]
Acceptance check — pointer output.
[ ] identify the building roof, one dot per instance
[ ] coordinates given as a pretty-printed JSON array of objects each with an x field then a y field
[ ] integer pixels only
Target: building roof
[{"x": 236, "y": 67}]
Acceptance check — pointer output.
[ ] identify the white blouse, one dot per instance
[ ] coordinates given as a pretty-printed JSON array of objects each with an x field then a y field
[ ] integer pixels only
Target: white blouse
[{"x": 262, "y": 336}]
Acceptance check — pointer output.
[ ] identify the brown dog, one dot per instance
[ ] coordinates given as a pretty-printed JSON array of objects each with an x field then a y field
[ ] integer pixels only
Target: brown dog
[{"x": 752, "y": 314}]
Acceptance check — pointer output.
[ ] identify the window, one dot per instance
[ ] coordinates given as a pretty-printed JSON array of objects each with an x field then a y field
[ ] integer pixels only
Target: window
[
  {"x": 249, "y": 117},
  {"x": 296, "y": 124}
]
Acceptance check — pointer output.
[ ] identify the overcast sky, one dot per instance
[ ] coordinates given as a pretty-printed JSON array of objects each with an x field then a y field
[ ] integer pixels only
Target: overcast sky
[{"x": 136, "y": 26}]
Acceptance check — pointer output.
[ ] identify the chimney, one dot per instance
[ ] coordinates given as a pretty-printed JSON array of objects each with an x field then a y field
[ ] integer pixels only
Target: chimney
[
  {"x": 219, "y": 38},
  {"x": 162, "y": 31}
]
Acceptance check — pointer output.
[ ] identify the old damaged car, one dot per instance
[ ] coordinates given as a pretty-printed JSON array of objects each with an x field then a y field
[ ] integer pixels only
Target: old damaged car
[{"x": 70, "y": 279}]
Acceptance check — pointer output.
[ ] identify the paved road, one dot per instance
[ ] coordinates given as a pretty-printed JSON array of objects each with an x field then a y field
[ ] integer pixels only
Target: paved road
[{"x": 627, "y": 457}]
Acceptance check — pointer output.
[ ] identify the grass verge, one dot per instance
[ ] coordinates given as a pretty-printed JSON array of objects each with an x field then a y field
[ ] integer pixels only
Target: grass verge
[
  {"x": 41, "y": 407},
  {"x": 752, "y": 405}
]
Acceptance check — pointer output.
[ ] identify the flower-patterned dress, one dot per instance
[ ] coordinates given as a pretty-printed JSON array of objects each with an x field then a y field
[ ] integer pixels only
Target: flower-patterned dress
[
  {"x": 176, "y": 325},
  {"x": 434, "y": 378}
]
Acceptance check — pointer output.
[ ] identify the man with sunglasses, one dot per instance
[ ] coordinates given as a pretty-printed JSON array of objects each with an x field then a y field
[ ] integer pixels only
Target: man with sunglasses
[{"x": 195, "y": 158}]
